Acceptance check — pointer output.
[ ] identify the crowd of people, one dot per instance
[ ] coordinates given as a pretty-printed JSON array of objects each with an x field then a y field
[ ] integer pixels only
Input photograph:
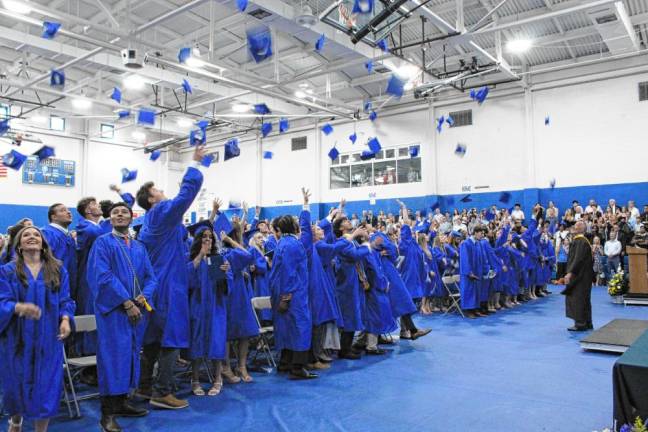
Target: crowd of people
[{"x": 160, "y": 290}]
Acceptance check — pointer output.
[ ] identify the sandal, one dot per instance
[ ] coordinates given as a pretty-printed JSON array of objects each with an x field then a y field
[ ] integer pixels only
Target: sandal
[
  {"x": 196, "y": 389},
  {"x": 245, "y": 376},
  {"x": 230, "y": 377},
  {"x": 15, "y": 427},
  {"x": 215, "y": 389}
]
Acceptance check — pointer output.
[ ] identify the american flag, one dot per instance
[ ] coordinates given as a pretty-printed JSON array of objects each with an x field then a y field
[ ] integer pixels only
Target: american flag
[{"x": 3, "y": 170}]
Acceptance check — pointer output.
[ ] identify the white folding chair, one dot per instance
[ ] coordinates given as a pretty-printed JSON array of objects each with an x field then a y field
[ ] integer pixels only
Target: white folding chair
[
  {"x": 451, "y": 284},
  {"x": 74, "y": 366},
  {"x": 259, "y": 304}
]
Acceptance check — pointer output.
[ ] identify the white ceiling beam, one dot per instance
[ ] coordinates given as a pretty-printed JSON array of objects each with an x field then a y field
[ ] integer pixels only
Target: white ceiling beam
[{"x": 627, "y": 24}]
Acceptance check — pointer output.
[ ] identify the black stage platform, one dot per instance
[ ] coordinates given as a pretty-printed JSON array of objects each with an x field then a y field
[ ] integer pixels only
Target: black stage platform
[{"x": 616, "y": 336}]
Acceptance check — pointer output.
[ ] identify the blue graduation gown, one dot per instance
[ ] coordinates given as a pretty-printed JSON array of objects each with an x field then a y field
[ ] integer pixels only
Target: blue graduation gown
[
  {"x": 434, "y": 285},
  {"x": 289, "y": 275},
  {"x": 471, "y": 260},
  {"x": 64, "y": 249},
  {"x": 491, "y": 263},
  {"x": 413, "y": 267},
  {"x": 323, "y": 301},
  {"x": 517, "y": 261},
  {"x": 32, "y": 356},
  {"x": 400, "y": 298},
  {"x": 207, "y": 304},
  {"x": 163, "y": 235},
  {"x": 349, "y": 291},
  {"x": 241, "y": 321},
  {"x": 112, "y": 283},
  {"x": 260, "y": 280},
  {"x": 378, "y": 317}
]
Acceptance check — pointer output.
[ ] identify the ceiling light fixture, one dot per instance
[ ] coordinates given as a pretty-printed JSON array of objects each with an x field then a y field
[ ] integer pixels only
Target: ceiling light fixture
[
  {"x": 138, "y": 135},
  {"x": 300, "y": 94},
  {"x": 518, "y": 46},
  {"x": 240, "y": 108},
  {"x": 17, "y": 7},
  {"x": 134, "y": 82},
  {"x": 184, "y": 122},
  {"x": 81, "y": 103}
]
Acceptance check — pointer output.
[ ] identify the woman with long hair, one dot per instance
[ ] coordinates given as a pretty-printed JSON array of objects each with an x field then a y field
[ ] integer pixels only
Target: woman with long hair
[
  {"x": 8, "y": 254},
  {"x": 35, "y": 314},
  {"x": 260, "y": 270}
]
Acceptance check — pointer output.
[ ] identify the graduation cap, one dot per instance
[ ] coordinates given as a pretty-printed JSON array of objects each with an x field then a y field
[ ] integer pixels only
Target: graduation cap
[
  {"x": 4, "y": 126},
  {"x": 146, "y": 117},
  {"x": 320, "y": 42},
  {"x": 241, "y": 5},
  {"x": 479, "y": 95},
  {"x": 128, "y": 175},
  {"x": 259, "y": 43},
  {"x": 450, "y": 121},
  {"x": 466, "y": 199},
  {"x": 207, "y": 160},
  {"x": 367, "y": 106},
  {"x": 184, "y": 54},
  {"x": 222, "y": 224},
  {"x": 14, "y": 160},
  {"x": 333, "y": 153},
  {"x": 362, "y": 6},
  {"x": 266, "y": 128},
  {"x": 547, "y": 121},
  {"x": 261, "y": 109},
  {"x": 116, "y": 95},
  {"x": 414, "y": 151},
  {"x": 50, "y": 29},
  {"x": 232, "y": 149},
  {"x": 395, "y": 86},
  {"x": 382, "y": 44},
  {"x": 374, "y": 145},
  {"x": 202, "y": 124},
  {"x": 460, "y": 150},
  {"x": 284, "y": 125},
  {"x": 327, "y": 129},
  {"x": 155, "y": 155},
  {"x": 199, "y": 227},
  {"x": 373, "y": 116},
  {"x": 422, "y": 227},
  {"x": 44, "y": 152},
  {"x": 440, "y": 122},
  {"x": 353, "y": 137},
  {"x": 369, "y": 66},
  {"x": 267, "y": 155},
  {"x": 57, "y": 78},
  {"x": 505, "y": 197},
  {"x": 186, "y": 86},
  {"x": 197, "y": 137},
  {"x": 367, "y": 154}
]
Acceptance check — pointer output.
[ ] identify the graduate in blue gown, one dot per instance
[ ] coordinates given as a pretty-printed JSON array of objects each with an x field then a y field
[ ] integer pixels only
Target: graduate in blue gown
[
  {"x": 207, "y": 305},
  {"x": 123, "y": 284},
  {"x": 35, "y": 314},
  {"x": 260, "y": 271},
  {"x": 289, "y": 286},
  {"x": 9, "y": 252},
  {"x": 412, "y": 269},
  {"x": 61, "y": 242},
  {"x": 433, "y": 284},
  {"x": 163, "y": 234},
  {"x": 471, "y": 264},
  {"x": 548, "y": 260},
  {"x": 439, "y": 293}
]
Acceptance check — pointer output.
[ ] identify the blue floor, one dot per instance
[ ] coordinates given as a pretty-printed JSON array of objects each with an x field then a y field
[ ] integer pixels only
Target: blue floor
[{"x": 518, "y": 370}]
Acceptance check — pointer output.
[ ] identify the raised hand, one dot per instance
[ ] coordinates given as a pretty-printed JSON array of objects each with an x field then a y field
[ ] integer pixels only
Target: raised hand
[
  {"x": 199, "y": 153},
  {"x": 306, "y": 194},
  {"x": 114, "y": 188},
  {"x": 216, "y": 205}
]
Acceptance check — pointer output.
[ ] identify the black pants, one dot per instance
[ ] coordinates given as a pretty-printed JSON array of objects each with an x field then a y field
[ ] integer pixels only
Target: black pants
[
  {"x": 346, "y": 341},
  {"x": 112, "y": 404},
  {"x": 560, "y": 270},
  {"x": 408, "y": 323},
  {"x": 294, "y": 359},
  {"x": 166, "y": 359}
]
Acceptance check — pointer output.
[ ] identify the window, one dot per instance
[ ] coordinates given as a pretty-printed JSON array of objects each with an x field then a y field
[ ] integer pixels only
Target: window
[
  {"x": 57, "y": 123},
  {"x": 361, "y": 175},
  {"x": 385, "y": 173},
  {"x": 403, "y": 151},
  {"x": 461, "y": 118},
  {"x": 340, "y": 177},
  {"x": 409, "y": 170},
  {"x": 4, "y": 112},
  {"x": 107, "y": 130}
]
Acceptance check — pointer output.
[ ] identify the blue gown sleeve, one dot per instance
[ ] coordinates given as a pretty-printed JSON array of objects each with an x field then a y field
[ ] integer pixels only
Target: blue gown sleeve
[
  {"x": 465, "y": 263},
  {"x": 173, "y": 210},
  {"x": 128, "y": 199},
  {"x": 306, "y": 236},
  {"x": 150, "y": 280},
  {"x": 327, "y": 227},
  {"x": 352, "y": 252},
  {"x": 502, "y": 238},
  {"x": 8, "y": 301},
  {"x": 239, "y": 259},
  {"x": 66, "y": 304},
  {"x": 110, "y": 292}
]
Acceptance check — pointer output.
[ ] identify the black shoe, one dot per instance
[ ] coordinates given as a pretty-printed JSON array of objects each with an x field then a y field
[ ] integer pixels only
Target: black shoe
[
  {"x": 109, "y": 424},
  {"x": 384, "y": 341},
  {"x": 541, "y": 294},
  {"x": 300, "y": 374},
  {"x": 376, "y": 351},
  {"x": 420, "y": 333},
  {"x": 283, "y": 368},
  {"x": 349, "y": 355},
  {"x": 128, "y": 410},
  {"x": 359, "y": 347},
  {"x": 577, "y": 329}
]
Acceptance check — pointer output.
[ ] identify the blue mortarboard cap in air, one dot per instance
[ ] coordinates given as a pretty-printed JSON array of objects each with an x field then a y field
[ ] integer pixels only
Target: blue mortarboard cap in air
[
  {"x": 184, "y": 54},
  {"x": 435, "y": 206},
  {"x": 207, "y": 160},
  {"x": 373, "y": 116},
  {"x": 4, "y": 126},
  {"x": 198, "y": 136},
  {"x": 450, "y": 121},
  {"x": 353, "y": 137},
  {"x": 395, "y": 86},
  {"x": 460, "y": 150},
  {"x": 479, "y": 95},
  {"x": 367, "y": 154},
  {"x": 44, "y": 152},
  {"x": 414, "y": 151},
  {"x": 369, "y": 66},
  {"x": 424, "y": 227},
  {"x": 466, "y": 199},
  {"x": 123, "y": 114},
  {"x": 57, "y": 78},
  {"x": 367, "y": 106},
  {"x": 266, "y": 128},
  {"x": 284, "y": 125},
  {"x": 241, "y": 5},
  {"x": 374, "y": 145},
  {"x": 222, "y": 224},
  {"x": 320, "y": 42},
  {"x": 259, "y": 43},
  {"x": 128, "y": 175},
  {"x": 146, "y": 117},
  {"x": 327, "y": 129},
  {"x": 440, "y": 122},
  {"x": 14, "y": 160},
  {"x": 450, "y": 200},
  {"x": 202, "y": 124},
  {"x": 267, "y": 155},
  {"x": 186, "y": 86},
  {"x": 116, "y": 95},
  {"x": 362, "y": 6},
  {"x": 50, "y": 29},
  {"x": 333, "y": 153},
  {"x": 155, "y": 155},
  {"x": 382, "y": 44},
  {"x": 232, "y": 149},
  {"x": 547, "y": 121},
  {"x": 505, "y": 197},
  {"x": 199, "y": 227},
  {"x": 261, "y": 109}
]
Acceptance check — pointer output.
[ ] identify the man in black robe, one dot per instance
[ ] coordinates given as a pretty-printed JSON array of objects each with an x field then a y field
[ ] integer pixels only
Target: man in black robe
[{"x": 578, "y": 280}]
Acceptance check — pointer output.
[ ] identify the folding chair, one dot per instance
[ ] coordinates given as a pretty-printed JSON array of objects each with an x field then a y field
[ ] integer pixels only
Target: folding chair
[
  {"x": 74, "y": 366},
  {"x": 451, "y": 284},
  {"x": 258, "y": 304}
]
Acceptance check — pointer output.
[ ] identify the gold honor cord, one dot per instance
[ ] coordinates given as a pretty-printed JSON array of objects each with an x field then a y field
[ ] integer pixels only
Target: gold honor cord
[{"x": 137, "y": 290}]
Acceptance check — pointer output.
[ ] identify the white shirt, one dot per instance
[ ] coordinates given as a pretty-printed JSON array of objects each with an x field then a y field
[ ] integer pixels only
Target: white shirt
[
  {"x": 60, "y": 228},
  {"x": 517, "y": 214},
  {"x": 612, "y": 248}
]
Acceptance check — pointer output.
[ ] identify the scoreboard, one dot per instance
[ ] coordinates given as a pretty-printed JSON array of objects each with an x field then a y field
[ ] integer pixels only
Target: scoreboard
[{"x": 51, "y": 171}]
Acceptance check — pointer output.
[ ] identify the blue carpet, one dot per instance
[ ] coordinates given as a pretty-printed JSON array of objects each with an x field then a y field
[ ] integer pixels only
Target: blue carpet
[{"x": 518, "y": 370}]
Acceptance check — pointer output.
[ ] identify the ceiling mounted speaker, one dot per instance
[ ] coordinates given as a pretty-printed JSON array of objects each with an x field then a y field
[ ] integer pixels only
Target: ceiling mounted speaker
[{"x": 305, "y": 16}]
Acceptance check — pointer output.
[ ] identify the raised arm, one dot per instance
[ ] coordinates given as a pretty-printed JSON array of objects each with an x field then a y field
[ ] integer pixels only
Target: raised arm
[
  {"x": 403, "y": 211},
  {"x": 216, "y": 205},
  {"x": 306, "y": 236}
]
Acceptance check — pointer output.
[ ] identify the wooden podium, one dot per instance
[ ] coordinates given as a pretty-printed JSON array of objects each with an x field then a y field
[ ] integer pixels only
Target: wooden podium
[{"x": 638, "y": 267}]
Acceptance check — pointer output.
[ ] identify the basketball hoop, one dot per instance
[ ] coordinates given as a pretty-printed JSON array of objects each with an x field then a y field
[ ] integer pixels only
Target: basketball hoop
[{"x": 345, "y": 17}]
